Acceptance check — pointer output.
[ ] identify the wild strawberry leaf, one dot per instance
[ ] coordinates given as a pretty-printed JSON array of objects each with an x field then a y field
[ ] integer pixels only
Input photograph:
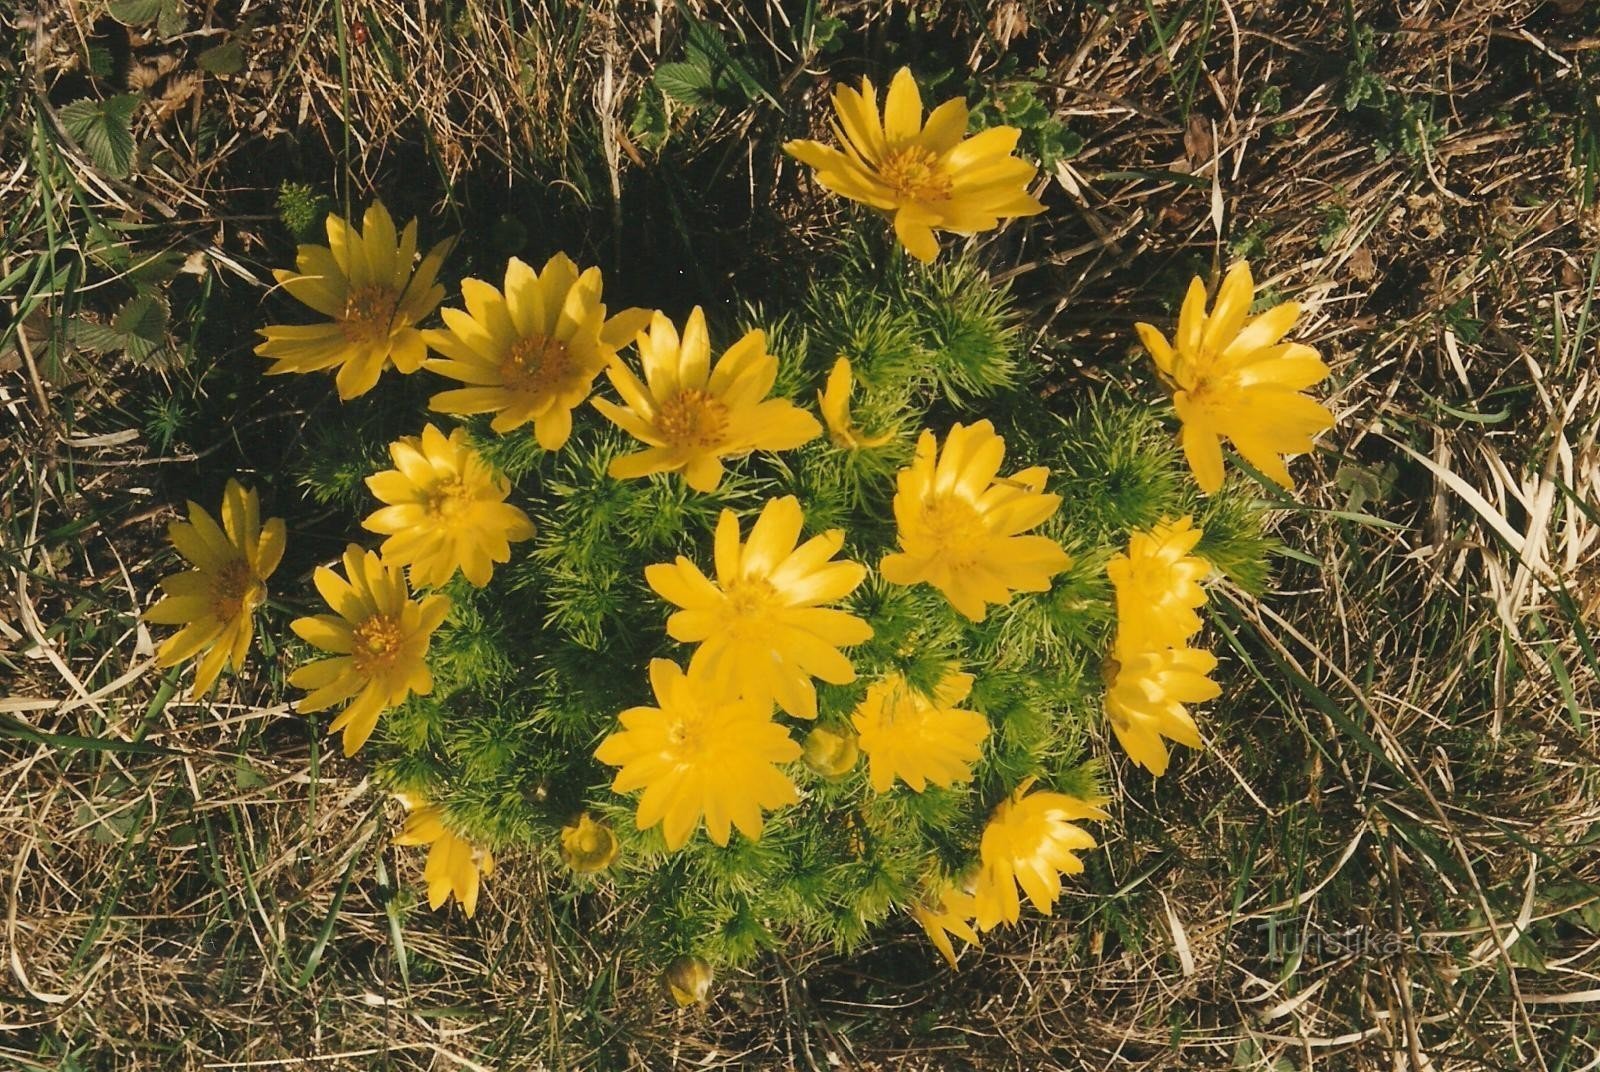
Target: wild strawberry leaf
[{"x": 103, "y": 129}]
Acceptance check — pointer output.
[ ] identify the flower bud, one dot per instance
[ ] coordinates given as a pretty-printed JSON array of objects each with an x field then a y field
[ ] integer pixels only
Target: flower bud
[
  {"x": 688, "y": 980},
  {"x": 587, "y": 845},
  {"x": 830, "y": 753}
]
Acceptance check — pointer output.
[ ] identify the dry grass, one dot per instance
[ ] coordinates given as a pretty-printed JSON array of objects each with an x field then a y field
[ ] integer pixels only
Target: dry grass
[{"x": 1387, "y": 858}]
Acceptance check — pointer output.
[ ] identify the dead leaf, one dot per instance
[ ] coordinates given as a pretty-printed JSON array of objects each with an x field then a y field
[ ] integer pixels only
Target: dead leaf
[
  {"x": 180, "y": 88},
  {"x": 1427, "y": 222},
  {"x": 1361, "y": 265},
  {"x": 149, "y": 70},
  {"x": 1197, "y": 144}
]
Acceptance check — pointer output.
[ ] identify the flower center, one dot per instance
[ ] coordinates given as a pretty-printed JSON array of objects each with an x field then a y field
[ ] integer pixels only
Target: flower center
[
  {"x": 368, "y": 313},
  {"x": 749, "y": 600},
  {"x": 377, "y": 644},
  {"x": 535, "y": 365},
  {"x": 914, "y": 173},
  {"x": 693, "y": 418},
  {"x": 448, "y": 499},
  {"x": 1151, "y": 574},
  {"x": 687, "y": 735},
  {"x": 235, "y": 590},
  {"x": 955, "y": 529},
  {"x": 1206, "y": 383}
]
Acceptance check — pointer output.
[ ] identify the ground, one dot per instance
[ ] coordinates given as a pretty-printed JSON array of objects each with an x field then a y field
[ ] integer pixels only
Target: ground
[{"x": 1385, "y": 857}]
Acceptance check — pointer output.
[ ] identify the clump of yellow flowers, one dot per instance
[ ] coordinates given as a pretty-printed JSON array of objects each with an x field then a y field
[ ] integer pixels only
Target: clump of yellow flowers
[{"x": 697, "y": 631}]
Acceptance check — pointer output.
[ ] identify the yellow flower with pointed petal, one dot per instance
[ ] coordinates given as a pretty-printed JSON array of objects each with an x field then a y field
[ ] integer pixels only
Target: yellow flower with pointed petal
[
  {"x": 703, "y": 754},
  {"x": 919, "y": 738},
  {"x": 379, "y": 636},
  {"x": 691, "y": 414},
  {"x": 454, "y": 864},
  {"x": 588, "y": 845},
  {"x": 1240, "y": 380},
  {"x": 927, "y": 177},
  {"x": 834, "y": 401},
  {"x": 1146, "y": 694},
  {"x": 950, "y": 913},
  {"x": 1030, "y": 839},
  {"x": 762, "y": 624},
  {"x": 215, "y": 601},
  {"x": 446, "y": 510},
  {"x": 531, "y": 352},
  {"x": 365, "y": 282},
  {"x": 1157, "y": 582},
  {"x": 961, "y": 525}
]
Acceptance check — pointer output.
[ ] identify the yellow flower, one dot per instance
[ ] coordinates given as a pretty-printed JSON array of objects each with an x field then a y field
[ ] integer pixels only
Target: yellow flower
[
  {"x": 950, "y": 913},
  {"x": 703, "y": 753},
  {"x": 690, "y": 414},
  {"x": 1239, "y": 379},
  {"x": 834, "y": 401},
  {"x": 688, "y": 980},
  {"x": 1030, "y": 840},
  {"x": 215, "y": 601},
  {"x": 1152, "y": 672},
  {"x": 364, "y": 281},
  {"x": 929, "y": 176},
  {"x": 446, "y": 510},
  {"x": 532, "y": 352},
  {"x": 588, "y": 845},
  {"x": 454, "y": 865},
  {"x": 1158, "y": 585},
  {"x": 1146, "y": 690},
  {"x": 830, "y": 753},
  {"x": 762, "y": 625},
  {"x": 960, "y": 525},
  {"x": 379, "y": 636},
  {"x": 917, "y": 738}
]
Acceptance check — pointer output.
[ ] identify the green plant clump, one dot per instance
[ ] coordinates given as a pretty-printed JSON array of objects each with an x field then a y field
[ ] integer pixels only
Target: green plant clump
[{"x": 531, "y": 671}]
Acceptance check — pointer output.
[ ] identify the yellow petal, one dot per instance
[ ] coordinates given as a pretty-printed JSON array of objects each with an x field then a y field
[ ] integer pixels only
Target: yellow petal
[
  {"x": 524, "y": 300},
  {"x": 1192, "y": 319},
  {"x": 945, "y": 127},
  {"x": 1230, "y": 310},
  {"x": 1204, "y": 453},
  {"x": 1263, "y": 331},
  {"x": 858, "y": 115},
  {"x": 902, "y": 109},
  {"x": 917, "y": 238},
  {"x": 773, "y": 537},
  {"x": 1156, "y": 345},
  {"x": 642, "y": 463},
  {"x": 703, "y": 473}
]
